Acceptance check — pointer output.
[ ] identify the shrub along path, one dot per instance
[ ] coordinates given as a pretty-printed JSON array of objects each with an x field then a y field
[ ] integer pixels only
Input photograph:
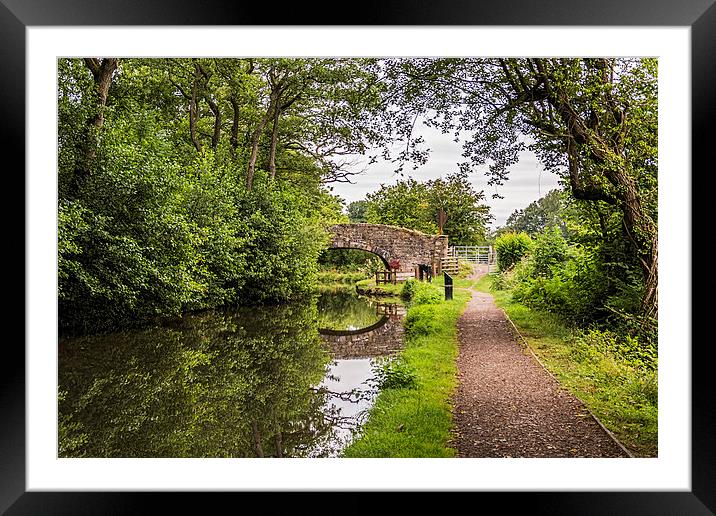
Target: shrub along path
[{"x": 506, "y": 404}]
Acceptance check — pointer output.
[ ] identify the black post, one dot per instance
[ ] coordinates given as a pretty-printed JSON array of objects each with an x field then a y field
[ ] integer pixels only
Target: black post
[{"x": 448, "y": 286}]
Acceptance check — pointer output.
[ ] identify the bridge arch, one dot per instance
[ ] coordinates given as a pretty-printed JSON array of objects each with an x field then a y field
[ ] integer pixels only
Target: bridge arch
[
  {"x": 410, "y": 247},
  {"x": 380, "y": 253}
]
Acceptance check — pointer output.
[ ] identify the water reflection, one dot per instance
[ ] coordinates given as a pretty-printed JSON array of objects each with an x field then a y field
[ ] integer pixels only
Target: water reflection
[
  {"x": 233, "y": 383},
  {"x": 343, "y": 309}
]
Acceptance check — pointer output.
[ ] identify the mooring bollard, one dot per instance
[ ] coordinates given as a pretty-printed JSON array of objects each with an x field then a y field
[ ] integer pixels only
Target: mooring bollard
[{"x": 448, "y": 286}]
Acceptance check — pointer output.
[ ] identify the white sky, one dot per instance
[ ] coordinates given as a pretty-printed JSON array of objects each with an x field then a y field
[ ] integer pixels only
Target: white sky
[{"x": 527, "y": 180}]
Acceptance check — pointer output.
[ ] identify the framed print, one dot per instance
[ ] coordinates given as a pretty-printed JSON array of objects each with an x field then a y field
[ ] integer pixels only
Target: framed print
[{"x": 677, "y": 480}]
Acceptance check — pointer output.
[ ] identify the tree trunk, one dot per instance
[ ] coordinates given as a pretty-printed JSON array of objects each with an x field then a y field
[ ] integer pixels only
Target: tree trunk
[
  {"x": 643, "y": 234},
  {"x": 194, "y": 110},
  {"x": 102, "y": 71},
  {"x": 214, "y": 107},
  {"x": 255, "y": 152},
  {"x": 256, "y": 138},
  {"x": 234, "y": 139},
  {"x": 279, "y": 444},
  {"x": 274, "y": 142}
]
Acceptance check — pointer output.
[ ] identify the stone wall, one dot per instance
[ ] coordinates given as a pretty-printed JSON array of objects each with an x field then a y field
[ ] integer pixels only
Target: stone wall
[
  {"x": 384, "y": 340},
  {"x": 410, "y": 247}
]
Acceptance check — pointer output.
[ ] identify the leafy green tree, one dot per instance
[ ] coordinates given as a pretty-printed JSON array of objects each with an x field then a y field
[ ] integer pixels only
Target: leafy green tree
[
  {"x": 546, "y": 212},
  {"x": 156, "y": 214},
  {"x": 415, "y": 205},
  {"x": 593, "y": 121},
  {"x": 356, "y": 211},
  {"x": 467, "y": 216},
  {"x": 405, "y": 204},
  {"x": 511, "y": 248}
]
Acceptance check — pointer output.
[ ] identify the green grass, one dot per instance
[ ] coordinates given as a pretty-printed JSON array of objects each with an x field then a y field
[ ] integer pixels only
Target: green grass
[
  {"x": 416, "y": 422},
  {"x": 623, "y": 397}
]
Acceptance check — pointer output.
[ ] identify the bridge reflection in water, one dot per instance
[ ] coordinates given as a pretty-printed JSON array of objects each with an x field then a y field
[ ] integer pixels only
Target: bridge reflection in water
[
  {"x": 383, "y": 338},
  {"x": 350, "y": 383}
]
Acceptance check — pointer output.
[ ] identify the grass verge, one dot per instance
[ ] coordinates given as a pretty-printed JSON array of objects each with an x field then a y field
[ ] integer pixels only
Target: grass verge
[
  {"x": 415, "y": 421},
  {"x": 623, "y": 397}
]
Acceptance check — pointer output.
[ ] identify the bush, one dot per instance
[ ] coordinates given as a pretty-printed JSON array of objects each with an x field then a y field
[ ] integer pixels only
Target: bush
[
  {"x": 573, "y": 289},
  {"x": 549, "y": 250},
  {"x": 146, "y": 239},
  {"x": 419, "y": 293},
  {"x": 409, "y": 289},
  {"x": 396, "y": 374},
  {"x": 421, "y": 320},
  {"x": 464, "y": 269},
  {"x": 511, "y": 247},
  {"x": 629, "y": 349}
]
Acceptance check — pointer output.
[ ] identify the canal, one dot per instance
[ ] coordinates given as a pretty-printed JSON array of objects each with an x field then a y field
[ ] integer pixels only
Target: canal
[{"x": 285, "y": 381}]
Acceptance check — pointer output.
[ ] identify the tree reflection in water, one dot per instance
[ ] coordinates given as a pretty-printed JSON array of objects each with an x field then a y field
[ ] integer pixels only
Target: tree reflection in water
[{"x": 233, "y": 383}]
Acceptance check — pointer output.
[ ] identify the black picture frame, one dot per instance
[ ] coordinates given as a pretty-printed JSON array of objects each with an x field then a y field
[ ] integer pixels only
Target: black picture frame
[{"x": 16, "y": 15}]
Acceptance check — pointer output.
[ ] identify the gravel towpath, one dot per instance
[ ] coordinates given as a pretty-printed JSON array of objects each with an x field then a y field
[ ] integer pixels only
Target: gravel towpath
[{"x": 506, "y": 404}]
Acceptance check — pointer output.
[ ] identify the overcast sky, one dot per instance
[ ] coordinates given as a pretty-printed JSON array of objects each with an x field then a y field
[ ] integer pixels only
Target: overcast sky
[{"x": 527, "y": 180}]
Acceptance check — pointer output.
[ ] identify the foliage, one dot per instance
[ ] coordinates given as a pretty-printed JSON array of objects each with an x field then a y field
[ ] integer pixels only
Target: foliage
[
  {"x": 421, "y": 293},
  {"x": 592, "y": 286},
  {"x": 332, "y": 276},
  {"x": 421, "y": 320},
  {"x": 464, "y": 269},
  {"x": 549, "y": 250},
  {"x": 413, "y": 205},
  {"x": 539, "y": 215},
  {"x": 157, "y": 213},
  {"x": 396, "y": 374},
  {"x": 511, "y": 247},
  {"x": 356, "y": 211},
  {"x": 590, "y": 279},
  {"x": 409, "y": 288},
  {"x": 349, "y": 260}
]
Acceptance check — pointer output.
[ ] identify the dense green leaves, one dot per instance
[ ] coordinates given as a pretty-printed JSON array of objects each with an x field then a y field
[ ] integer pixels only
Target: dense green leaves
[
  {"x": 544, "y": 213},
  {"x": 155, "y": 213},
  {"x": 413, "y": 205},
  {"x": 511, "y": 247},
  {"x": 592, "y": 121}
]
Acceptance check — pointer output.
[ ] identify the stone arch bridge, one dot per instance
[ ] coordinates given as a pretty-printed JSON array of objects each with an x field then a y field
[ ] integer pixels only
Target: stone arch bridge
[{"x": 410, "y": 247}]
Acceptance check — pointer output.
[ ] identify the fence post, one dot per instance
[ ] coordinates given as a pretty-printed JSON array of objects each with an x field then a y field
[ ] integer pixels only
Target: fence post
[{"x": 448, "y": 286}]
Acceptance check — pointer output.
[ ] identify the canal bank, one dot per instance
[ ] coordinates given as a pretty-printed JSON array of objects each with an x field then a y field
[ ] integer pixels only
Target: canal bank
[
  {"x": 274, "y": 381},
  {"x": 413, "y": 417}
]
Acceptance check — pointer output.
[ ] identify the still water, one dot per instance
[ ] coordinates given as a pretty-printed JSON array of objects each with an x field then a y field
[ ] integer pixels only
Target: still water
[{"x": 287, "y": 381}]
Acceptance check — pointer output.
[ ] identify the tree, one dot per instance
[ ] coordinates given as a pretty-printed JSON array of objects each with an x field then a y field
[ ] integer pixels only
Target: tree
[
  {"x": 593, "y": 121},
  {"x": 542, "y": 214},
  {"x": 155, "y": 214},
  {"x": 356, "y": 211},
  {"x": 405, "y": 204},
  {"x": 467, "y": 216},
  {"x": 415, "y": 205}
]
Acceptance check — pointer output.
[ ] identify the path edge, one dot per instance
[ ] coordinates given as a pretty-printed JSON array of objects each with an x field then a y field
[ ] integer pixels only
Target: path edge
[{"x": 526, "y": 345}]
